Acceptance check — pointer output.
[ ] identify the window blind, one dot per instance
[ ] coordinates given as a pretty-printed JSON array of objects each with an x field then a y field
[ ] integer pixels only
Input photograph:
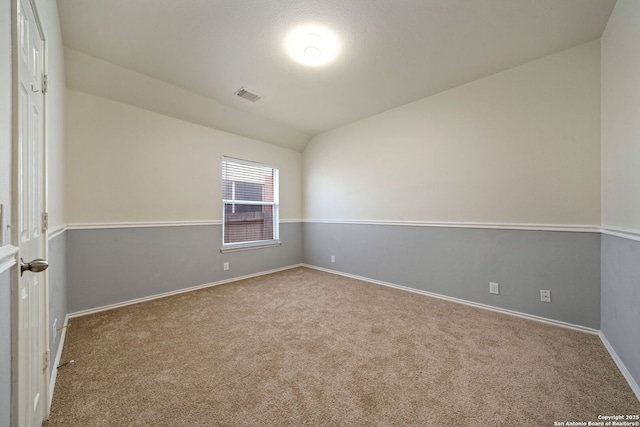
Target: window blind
[{"x": 250, "y": 202}]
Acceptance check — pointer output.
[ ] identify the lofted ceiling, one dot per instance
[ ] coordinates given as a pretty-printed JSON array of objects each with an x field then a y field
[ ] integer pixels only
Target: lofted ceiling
[{"x": 391, "y": 52}]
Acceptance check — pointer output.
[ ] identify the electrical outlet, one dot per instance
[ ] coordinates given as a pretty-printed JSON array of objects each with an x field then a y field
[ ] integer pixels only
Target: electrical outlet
[
  {"x": 333, "y": 258},
  {"x": 55, "y": 332},
  {"x": 545, "y": 296},
  {"x": 225, "y": 266},
  {"x": 494, "y": 288}
]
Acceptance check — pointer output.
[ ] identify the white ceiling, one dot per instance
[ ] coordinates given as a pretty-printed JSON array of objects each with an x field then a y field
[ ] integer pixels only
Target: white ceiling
[{"x": 392, "y": 52}]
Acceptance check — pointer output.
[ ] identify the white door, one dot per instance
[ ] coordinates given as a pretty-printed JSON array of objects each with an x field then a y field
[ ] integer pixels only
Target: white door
[{"x": 31, "y": 307}]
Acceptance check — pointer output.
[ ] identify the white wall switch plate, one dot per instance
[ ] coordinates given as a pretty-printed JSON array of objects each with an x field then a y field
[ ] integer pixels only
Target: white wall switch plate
[
  {"x": 494, "y": 288},
  {"x": 225, "y": 266}
]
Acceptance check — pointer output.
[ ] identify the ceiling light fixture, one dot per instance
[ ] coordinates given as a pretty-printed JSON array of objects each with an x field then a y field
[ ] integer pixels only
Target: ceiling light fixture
[{"x": 313, "y": 45}]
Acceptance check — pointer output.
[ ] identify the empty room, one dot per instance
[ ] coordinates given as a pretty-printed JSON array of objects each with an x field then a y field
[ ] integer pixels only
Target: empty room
[{"x": 319, "y": 213}]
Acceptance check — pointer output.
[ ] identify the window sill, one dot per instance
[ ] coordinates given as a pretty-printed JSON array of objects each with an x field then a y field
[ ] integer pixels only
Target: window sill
[{"x": 249, "y": 246}]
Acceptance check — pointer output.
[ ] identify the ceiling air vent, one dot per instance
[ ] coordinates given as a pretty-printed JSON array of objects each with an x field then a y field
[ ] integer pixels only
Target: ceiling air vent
[{"x": 247, "y": 94}]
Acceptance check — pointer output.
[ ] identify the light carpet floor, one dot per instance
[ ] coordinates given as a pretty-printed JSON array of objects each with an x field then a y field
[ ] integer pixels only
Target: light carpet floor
[{"x": 307, "y": 348}]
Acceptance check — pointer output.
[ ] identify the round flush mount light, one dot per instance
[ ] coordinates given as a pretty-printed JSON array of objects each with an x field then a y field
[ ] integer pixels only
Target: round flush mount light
[{"x": 312, "y": 45}]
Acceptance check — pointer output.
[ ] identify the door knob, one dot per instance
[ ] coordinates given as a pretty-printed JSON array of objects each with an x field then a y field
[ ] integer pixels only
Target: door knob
[{"x": 35, "y": 266}]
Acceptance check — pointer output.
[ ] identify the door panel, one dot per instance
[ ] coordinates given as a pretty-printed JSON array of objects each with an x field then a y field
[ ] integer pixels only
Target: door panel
[{"x": 31, "y": 306}]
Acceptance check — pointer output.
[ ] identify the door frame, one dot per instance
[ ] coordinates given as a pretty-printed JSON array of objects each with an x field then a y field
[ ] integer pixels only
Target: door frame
[{"x": 14, "y": 238}]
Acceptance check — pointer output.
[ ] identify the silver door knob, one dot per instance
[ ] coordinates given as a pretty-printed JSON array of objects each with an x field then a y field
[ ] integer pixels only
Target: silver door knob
[{"x": 35, "y": 266}]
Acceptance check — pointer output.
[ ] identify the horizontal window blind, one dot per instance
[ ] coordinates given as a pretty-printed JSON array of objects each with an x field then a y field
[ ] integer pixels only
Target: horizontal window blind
[{"x": 250, "y": 202}]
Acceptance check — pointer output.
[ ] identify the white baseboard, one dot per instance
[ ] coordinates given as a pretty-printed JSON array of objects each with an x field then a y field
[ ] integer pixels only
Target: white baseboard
[
  {"x": 56, "y": 361},
  {"x": 621, "y": 366},
  {"x": 176, "y": 292}
]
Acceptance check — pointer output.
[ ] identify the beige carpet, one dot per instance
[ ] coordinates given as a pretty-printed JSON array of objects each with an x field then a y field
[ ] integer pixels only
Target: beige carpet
[{"x": 307, "y": 348}]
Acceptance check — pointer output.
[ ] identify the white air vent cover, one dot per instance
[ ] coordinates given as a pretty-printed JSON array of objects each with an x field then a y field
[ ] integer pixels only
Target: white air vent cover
[{"x": 247, "y": 94}]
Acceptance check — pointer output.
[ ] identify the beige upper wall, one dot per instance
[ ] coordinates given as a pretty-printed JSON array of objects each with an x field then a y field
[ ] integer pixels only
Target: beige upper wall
[
  {"x": 126, "y": 164},
  {"x": 621, "y": 118},
  {"x": 521, "y": 146}
]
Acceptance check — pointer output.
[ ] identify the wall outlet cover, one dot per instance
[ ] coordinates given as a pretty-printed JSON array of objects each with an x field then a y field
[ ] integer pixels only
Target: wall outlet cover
[
  {"x": 494, "y": 288},
  {"x": 545, "y": 296}
]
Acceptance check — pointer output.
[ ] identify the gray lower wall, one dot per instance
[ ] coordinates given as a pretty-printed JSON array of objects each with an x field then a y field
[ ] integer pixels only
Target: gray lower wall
[
  {"x": 108, "y": 266},
  {"x": 460, "y": 263},
  {"x": 57, "y": 281},
  {"x": 5, "y": 348},
  {"x": 621, "y": 299}
]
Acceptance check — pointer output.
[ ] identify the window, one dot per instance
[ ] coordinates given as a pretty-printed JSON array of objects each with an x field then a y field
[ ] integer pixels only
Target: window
[{"x": 249, "y": 204}]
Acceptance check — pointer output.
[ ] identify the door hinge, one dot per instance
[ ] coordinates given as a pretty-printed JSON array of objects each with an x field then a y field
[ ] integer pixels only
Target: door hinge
[
  {"x": 45, "y": 221},
  {"x": 45, "y": 363},
  {"x": 45, "y": 83}
]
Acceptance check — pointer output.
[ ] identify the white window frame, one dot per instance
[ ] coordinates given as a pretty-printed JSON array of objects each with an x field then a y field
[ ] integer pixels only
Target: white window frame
[{"x": 256, "y": 244}]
